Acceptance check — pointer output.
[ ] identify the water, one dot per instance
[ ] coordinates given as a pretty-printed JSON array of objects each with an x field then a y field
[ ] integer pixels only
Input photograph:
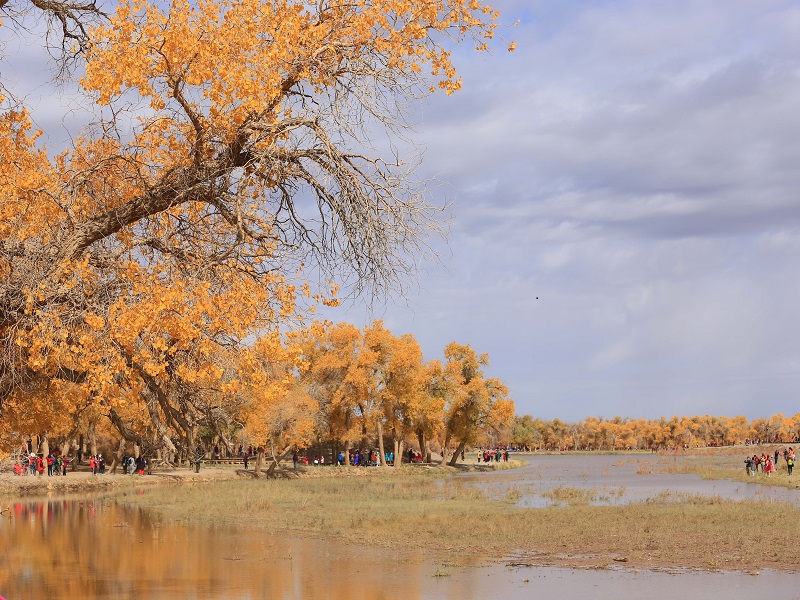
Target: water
[
  {"x": 92, "y": 550},
  {"x": 615, "y": 479}
]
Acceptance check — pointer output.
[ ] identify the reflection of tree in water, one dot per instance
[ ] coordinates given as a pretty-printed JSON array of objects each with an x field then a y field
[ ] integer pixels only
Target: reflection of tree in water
[{"x": 68, "y": 549}]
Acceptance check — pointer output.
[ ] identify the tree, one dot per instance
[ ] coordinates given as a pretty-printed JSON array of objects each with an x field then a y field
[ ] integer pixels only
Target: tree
[
  {"x": 229, "y": 157},
  {"x": 473, "y": 402}
]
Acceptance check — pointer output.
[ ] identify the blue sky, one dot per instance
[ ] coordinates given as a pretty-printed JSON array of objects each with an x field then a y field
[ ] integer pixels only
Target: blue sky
[{"x": 633, "y": 165}]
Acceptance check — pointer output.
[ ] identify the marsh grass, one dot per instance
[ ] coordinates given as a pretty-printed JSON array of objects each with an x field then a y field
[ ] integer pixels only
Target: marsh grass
[
  {"x": 570, "y": 496},
  {"x": 728, "y": 466},
  {"x": 425, "y": 513}
]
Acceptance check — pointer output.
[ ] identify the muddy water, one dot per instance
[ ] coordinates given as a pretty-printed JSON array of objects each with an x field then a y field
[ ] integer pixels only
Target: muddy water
[
  {"x": 73, "y": 549},
  {"x": 615, "y": 479}
]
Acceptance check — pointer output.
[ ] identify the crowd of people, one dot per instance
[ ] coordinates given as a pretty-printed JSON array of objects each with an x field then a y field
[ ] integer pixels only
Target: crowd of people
[
  {"x": 768, "y": 463},
  {"x": 132, "y": 464},
  {"x": 493, "y": 454},
  {"x": 56, "y": 464},
  {"x": 33, "y": 464}
]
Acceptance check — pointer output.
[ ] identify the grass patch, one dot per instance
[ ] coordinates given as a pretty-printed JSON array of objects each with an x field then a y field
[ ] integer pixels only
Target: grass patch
[
  {"x": 570, "y": 496},
  {"x": 730, "y": 466},
  {"x": 418, "y": 511}
]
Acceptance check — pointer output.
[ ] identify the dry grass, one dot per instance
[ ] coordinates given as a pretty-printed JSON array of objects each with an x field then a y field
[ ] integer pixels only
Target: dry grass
[
  {"x": 725, "y": 463},
  {"x": 418, "y": 511}
]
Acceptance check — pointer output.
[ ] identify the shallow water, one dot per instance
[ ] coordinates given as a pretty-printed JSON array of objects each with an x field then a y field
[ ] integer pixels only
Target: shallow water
[
  {"x": 84, "y": 549},
  {"x": 615, "y": 479}
]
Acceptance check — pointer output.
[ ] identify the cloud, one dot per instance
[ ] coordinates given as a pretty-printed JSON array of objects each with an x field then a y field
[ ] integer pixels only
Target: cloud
[{"x": 632, "y": 165}]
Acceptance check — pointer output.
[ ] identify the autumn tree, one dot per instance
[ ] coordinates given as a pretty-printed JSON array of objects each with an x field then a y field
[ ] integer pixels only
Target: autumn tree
[
  {"x": 330, "y": 356},
  {"x": 472, "y": 401},
  {"x": 231, "y": 153}
]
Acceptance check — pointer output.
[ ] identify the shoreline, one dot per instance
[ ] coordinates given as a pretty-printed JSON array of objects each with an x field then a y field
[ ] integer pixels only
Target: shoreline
[{"x": 425, "y": 508}]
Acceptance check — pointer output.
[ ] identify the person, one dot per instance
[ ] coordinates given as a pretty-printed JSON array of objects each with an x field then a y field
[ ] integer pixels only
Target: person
[
  {"x": 198, "y": 456},
  {"x": 50, "y": 461},
  {"x": 40, "y": 466},
  {"x": 92, "y": 465},
  {"x": 769, "y": 467},
  {"x": 340, "y": 459},
  {"x": 17, "y": 468},
  {"x": 748, "y": 466},
  {"x": 789, "y": 464},
  {"x": 64, "y": 463},
  {"x": 246, "y": 458}
]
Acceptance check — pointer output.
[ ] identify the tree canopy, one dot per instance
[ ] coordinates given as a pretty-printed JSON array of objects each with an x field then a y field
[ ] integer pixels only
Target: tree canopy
[{"x": 231, "y": 178}]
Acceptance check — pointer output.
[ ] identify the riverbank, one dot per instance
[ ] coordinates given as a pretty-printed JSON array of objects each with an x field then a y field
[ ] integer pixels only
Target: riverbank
[
  {"x": 82, "y": 481},
  {"x": 421, "y": 509}
]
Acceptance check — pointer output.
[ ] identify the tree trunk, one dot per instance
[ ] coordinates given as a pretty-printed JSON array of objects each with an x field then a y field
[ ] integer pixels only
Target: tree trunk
[
  {"x": 80, "y": 449},
  {"x": 276, "y": 460},
  {"x": 45, "y": 445},
  {"x": 92, "y": 441},
  {"x": 381, "y": 453},
  {"x": 426, "y": 456},
  {"x": 456, "y": 454},
  {"x": 118, "y": 456},
  {"x": 347, "y": 453},
  {"x": 398, "y": 452},
  {"x": 65, "y": 447},
  {"x": 444, "y": 450},
  {"x": 259, "y": 460}
]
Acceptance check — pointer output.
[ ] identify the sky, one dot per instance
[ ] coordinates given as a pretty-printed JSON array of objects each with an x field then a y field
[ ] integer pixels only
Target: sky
[{"x": 625, "y": 229}]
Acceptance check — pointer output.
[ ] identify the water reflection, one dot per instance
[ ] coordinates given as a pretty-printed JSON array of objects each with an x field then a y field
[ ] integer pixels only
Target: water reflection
[{"x": 92, "y": 550}]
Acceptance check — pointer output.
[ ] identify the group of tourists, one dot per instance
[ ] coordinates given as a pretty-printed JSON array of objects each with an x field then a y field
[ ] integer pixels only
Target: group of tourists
[
  {"x": 768, "y": 463},
  {"x": 53, "y": 463},
  {"x": 131, "y": 465},
  {"x": 494, "y": 454},
  {"x": 97, "y": 465}
]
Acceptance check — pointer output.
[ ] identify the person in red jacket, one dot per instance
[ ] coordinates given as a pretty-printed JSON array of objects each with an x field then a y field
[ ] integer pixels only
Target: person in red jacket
[{"x": 40, "y": 466}]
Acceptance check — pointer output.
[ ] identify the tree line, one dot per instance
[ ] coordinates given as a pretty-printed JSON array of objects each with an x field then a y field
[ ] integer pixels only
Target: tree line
[
  {"x": 333, "y": 385},
  {"x": 597, "y": 433}
]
